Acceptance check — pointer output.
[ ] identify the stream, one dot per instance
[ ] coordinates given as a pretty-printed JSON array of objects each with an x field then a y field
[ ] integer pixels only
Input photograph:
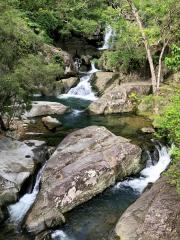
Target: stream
[{"x": 96, "y": 218}]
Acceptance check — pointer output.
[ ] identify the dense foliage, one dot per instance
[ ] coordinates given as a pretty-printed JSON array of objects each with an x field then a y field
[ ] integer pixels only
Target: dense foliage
[
  {"x": 169, "y": 127},
  {"x": 160, "y": 20},
  {"x": 63, "y": 18}
]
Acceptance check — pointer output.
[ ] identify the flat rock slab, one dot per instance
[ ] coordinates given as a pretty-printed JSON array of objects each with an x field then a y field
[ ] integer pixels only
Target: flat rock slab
[
  {"x": 85, "y": 163},
  {"x": 42, "y": 108},
  {"x": 154, "y": 216}
]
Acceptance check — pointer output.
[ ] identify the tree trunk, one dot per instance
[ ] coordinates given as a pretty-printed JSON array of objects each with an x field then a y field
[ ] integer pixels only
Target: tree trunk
[
  {"x": 145, "y": 41},
  {"x": 160, "y": 65},
  {"x": 2, "y": 124}
]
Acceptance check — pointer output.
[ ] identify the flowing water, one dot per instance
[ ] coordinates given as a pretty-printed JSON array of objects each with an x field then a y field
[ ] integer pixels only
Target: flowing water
[
  {"x": 83, "y": 89},
  {"x": 18, "y": 210},
  {"x": 109, "y": 34},
  {"x": 150, "y": 174},
  {"x": 96, "y": 218}
]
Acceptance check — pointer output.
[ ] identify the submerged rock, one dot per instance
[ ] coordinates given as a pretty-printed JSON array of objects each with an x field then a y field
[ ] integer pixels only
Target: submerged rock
[
  {"x": 120, "y": 98},
  {"x": 50, "y": 122},
  {"x": 154, "y": 216},
  {"x": 85, "y": 163},
  {"x": 42, "y": 108}
]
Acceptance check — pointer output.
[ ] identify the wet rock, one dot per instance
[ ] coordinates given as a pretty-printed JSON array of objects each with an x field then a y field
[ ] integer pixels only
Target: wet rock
[
  {"x": 16, "y": 165},
  {"x": 40, "y": 150},
  {"x": 85, "y": 163},
  {"x": 46, "y": 108},
  {"x": 51, "y": 123},
  {"x": 102, "y": 80},
  {"x": 154, "y": 216},
  {"x": 120, "y": 98}
]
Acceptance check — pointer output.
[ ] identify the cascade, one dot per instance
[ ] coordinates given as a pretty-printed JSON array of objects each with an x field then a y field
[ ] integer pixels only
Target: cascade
[
  {"x": 109, "y": 33},
  {"x": 150, "y": 174},
  {"x": 18, "y": 210},
  {"x": 83, "y": 89}
]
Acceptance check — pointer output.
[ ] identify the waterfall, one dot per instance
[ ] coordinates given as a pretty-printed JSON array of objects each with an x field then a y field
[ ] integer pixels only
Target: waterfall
[
  {"x": 109, "y": 33},
  {"x": 83, "y": 89},
  {"x": 18, "y": 210},
  {"x": 151, "y": 173},
  {"x": 60, "y": 235}
]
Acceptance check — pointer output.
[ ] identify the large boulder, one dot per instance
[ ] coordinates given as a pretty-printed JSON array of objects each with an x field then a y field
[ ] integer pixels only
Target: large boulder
[
  {"x": 120, "y": 98},
  {"x": 42, "y": 108},
  {"x": 102, "y": 80},
  {"x": 154, "y": 216},
  {"x": 85, "y": 163}
]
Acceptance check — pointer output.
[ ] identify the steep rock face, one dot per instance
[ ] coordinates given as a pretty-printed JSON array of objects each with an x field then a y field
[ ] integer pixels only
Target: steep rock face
[
  {"x": 102, "y": 80},
  {"x": 46, "y": 108},
  {"x": 85, "y": 163},
  {"x": 118, "y": 98},
  {"x": 154, "y": 216}
]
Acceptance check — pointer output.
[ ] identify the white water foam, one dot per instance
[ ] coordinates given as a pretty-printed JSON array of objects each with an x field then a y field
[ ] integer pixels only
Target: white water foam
[
  {"x": 150, "y": 174},
  {"x": 18, "y": 210},
  {"x": 109, "y": 33},
  {"x": 77, "y": 112},
  {"x": 60, "y": 235},
  {"x": 83, "y": 90}
]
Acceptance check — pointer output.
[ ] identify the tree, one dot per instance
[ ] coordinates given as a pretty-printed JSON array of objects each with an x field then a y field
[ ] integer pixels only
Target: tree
[
  {"x": 17, "y": 87},
  {"x": 158, "y": 25}
]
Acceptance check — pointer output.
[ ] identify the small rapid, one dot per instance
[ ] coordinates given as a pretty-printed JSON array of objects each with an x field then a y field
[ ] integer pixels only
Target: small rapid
[
  {"x": 60, "y": 235},
  {"x": 83, "y": 90},
  {"x": 151, "y": 173},
  {"x": 19, "y": 210}
]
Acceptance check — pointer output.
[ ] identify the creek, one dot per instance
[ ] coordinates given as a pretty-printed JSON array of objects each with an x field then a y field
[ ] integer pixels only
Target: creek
[{"x": 96, "y": 218}]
